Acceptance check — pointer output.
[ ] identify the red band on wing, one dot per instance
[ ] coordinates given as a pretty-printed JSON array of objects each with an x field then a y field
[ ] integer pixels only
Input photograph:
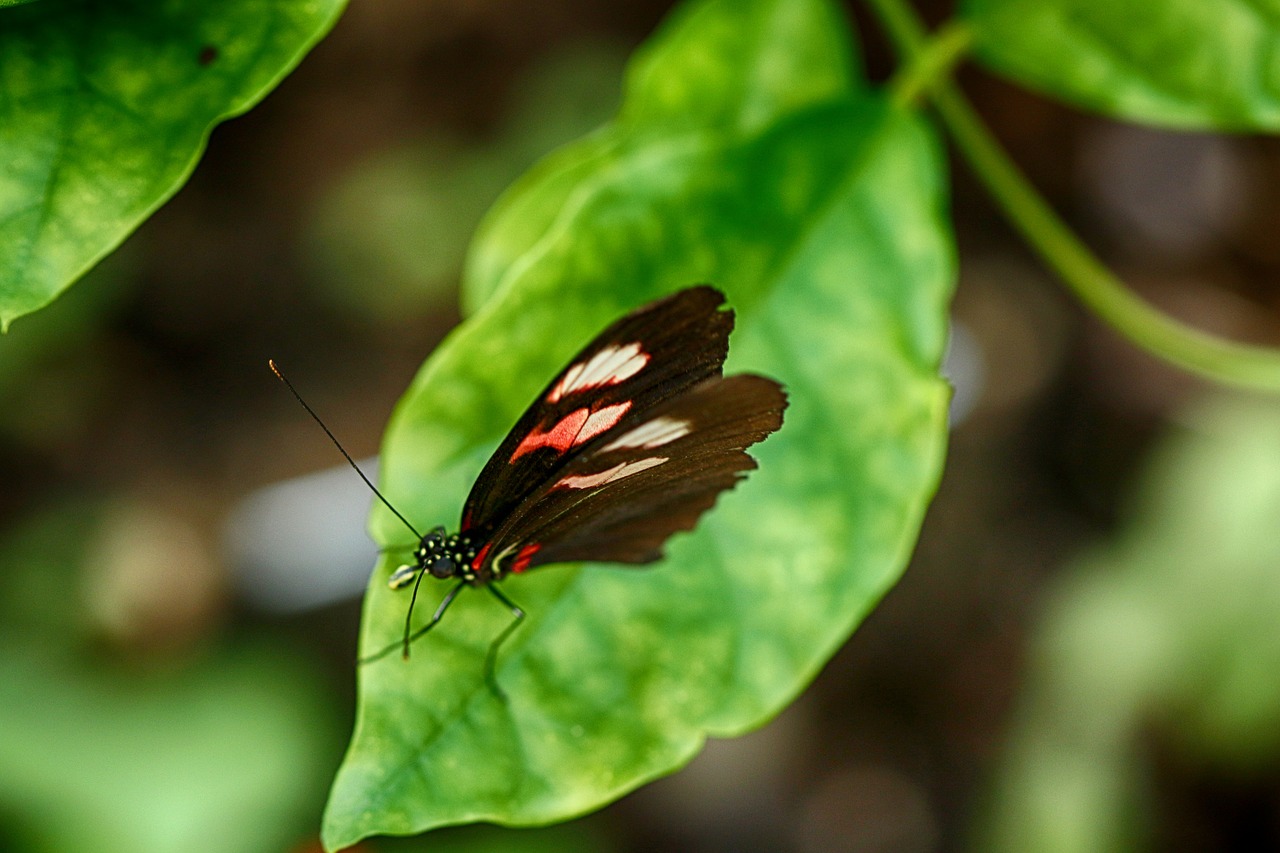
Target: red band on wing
[
  {"x": 560, "y": 437},
  {"x": 575, "y": 428},
  {"x": 479, "y": 558},
  {"x": 526, "y": 554}
]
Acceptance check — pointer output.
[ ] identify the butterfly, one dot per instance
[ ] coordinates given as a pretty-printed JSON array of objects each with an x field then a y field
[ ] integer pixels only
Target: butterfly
[{"x": 630, "y": 443}]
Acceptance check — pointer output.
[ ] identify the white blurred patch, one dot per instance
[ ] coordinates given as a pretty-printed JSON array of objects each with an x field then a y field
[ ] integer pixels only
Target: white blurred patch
[
  {"x": 964, "y": 366},
  {"x": 301, "y": 543}
]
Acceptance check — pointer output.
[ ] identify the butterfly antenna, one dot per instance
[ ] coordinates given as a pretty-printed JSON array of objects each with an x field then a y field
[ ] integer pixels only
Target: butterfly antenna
[{"x": 341, "y": 449}]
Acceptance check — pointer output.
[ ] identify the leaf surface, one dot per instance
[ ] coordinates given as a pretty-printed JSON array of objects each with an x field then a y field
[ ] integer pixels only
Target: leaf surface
[
  {"x": 104, "y": 110},
  {"x": 822, "y": 219},
  {"x": 1194, "y": 64}
]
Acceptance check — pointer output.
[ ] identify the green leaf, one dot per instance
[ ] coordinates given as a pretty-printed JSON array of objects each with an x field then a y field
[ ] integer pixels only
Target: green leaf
[
  {"x": 226, "y": 756},
  {"x": 693, "y": 75},
  {"x": 406, "y": 218},
  {"x": 824, "y": 223},
  {"x": 1209, "y": 64},
  {"x": 104, "y": 110},
  {"x": 223, "y": 750}
]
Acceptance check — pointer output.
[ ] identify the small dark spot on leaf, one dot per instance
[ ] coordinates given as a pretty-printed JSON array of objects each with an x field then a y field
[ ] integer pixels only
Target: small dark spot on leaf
[{"x": 208, "y": 54}]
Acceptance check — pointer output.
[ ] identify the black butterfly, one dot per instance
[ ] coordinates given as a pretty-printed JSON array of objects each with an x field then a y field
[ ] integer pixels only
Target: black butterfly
[{"x": 630, "y": 443}]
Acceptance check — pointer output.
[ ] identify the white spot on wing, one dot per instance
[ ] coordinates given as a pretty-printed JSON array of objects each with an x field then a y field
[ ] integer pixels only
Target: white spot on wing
[
  {"x": 602, "y": 421},
  {"x": 609, "y": 366},
  {"x": 569, "y": 380},
  {"x": 654, "y": 433},
  {"x": 610, "y": 475}
]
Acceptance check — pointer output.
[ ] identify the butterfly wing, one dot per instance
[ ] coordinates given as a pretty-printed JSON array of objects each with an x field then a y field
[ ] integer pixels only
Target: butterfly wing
[
  {"x": 648, "y": 356},
  {"x": 629, "y": 490}
]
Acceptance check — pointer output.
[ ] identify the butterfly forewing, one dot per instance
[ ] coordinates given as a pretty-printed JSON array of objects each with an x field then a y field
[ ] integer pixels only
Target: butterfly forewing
[
  {"x": 625, "y": 493},
  {"x": 633, "y": 441},
  {"x": 649, "y": 356}
]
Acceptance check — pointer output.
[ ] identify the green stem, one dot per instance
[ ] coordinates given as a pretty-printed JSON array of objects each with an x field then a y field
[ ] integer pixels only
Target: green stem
[
  {"x": 932, "y": 64},
  {"x": 1096, "y": 286}
]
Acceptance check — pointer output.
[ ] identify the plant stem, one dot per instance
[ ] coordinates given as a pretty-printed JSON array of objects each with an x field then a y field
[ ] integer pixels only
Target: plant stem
[
  {"x": 1199, "y": 352},
  {"x": 933, "y": 63}
]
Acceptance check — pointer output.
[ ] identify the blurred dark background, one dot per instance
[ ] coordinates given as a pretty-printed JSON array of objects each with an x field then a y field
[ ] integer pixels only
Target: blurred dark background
[{"x": 326, "y": 229}]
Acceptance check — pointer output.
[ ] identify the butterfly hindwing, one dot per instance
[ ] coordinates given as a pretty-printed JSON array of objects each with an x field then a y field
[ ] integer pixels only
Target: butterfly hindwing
[
  {"x": 628, "y": 491},
  {"x": 633, "y": 441},
  {"x": 647, "y": 357}
]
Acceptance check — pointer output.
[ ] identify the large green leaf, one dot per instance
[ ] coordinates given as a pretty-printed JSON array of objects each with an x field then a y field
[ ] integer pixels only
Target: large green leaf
[
  {"x": 104, "y": 109},
  {"x": 1212, "y": 64},
  {"x": 823, "y": 221},
  {"x": 696, "y": 76}
]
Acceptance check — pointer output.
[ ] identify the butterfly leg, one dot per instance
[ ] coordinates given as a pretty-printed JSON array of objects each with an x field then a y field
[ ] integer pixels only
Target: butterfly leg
[
  {"x": 408, "y": 637},
  {"x": 491, "y": 659}
]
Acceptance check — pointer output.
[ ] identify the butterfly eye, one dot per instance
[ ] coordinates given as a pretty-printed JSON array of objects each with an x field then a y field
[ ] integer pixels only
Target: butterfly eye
[
  {"x": 433, "y": 540},
  {"x": 442, "y": 568}
]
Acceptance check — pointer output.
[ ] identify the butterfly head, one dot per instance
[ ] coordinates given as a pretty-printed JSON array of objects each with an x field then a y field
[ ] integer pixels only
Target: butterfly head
[
  {"x": 438, "y": 555},
  {"x": 429, "y": 556}
]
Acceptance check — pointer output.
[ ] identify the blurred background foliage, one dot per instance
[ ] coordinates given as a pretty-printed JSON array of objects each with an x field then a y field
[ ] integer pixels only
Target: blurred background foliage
[
  {"x": 1053, "y": 665},
  {"x": 1155, "y": 659}
]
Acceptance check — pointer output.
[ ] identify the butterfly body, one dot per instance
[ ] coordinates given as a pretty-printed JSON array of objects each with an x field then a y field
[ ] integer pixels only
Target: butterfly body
[
  {"x": 630, "y": 443},
  {"x": 461, "y": 555}
]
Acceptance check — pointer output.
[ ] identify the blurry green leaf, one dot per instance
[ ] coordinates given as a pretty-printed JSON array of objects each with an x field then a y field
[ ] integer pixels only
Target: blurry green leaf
[
  {"x": 224, "y": 757},
  {"x": 713, "y": 69},
  {"x": 39, "y": 599},
  {"x": 1169, "y": 626},
  {"x": 104, "y": 109},
  {"x": 824, "y": 223},
  {"x": 404, "y": 218},
  {"x": 145, "y": 753},
  {"x": 1208, "y": 64},
  {"x": 54, "y": 368}
]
